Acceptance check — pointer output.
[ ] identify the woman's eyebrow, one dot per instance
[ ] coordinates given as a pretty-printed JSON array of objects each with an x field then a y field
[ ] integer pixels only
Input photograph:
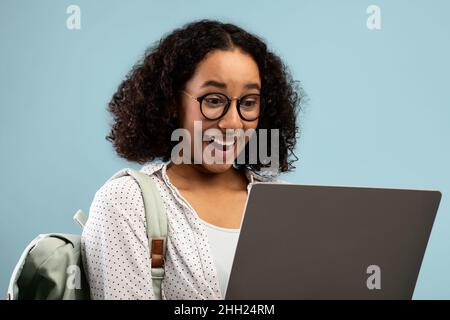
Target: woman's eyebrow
[{"x": 212, "y": 83}]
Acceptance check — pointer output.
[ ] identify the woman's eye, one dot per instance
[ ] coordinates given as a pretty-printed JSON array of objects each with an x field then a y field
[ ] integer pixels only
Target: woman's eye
[
  {"x": 249, "y": 103},
  {"x": 215, "y": 101}
]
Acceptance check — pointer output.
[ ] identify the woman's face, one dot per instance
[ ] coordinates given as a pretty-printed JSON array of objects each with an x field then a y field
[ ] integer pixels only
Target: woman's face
[{"x": 233, "y": 73}]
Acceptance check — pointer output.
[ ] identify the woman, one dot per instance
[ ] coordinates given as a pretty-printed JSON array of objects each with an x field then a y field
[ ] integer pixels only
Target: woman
[{"x": 224, "y": 78}]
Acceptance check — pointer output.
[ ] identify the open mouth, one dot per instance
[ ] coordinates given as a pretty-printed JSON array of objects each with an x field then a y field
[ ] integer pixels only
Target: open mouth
[{"x": 221, "y": 144}]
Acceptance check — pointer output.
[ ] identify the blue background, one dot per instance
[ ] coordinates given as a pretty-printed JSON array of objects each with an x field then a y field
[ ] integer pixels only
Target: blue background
[{"x": 378, "y": 111}]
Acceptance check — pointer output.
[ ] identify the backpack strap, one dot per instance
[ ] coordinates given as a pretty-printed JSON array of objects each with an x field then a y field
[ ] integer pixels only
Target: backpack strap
[
  {"x": 80, "y": 217},
  {"x": 156, "y": 218}
]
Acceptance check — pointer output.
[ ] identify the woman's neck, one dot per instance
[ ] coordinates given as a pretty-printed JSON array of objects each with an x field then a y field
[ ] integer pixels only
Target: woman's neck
[{"x": 190, "y": 176}]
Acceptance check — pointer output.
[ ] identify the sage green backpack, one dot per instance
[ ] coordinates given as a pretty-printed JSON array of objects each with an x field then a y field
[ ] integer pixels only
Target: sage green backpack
[{"x": 51, "y": 268}]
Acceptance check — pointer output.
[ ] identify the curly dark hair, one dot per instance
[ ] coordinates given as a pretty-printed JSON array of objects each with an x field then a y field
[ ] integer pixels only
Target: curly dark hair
[{"x": 145, "y": 105}]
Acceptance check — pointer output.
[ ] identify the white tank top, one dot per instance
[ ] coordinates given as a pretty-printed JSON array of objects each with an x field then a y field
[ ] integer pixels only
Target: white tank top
[{"x": 223, "y": 242}]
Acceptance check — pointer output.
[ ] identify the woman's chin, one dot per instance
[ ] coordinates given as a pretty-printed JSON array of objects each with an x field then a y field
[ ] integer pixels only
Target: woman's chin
[
  {"x": 216, "y": 167},
  {"x": 216, "y": 160}
]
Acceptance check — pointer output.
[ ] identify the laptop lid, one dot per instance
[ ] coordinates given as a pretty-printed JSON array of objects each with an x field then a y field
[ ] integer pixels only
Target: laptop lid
[{"x": 330, "y": 242}]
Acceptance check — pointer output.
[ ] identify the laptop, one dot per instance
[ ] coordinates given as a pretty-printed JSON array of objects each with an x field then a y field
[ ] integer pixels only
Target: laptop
[{"x": 331, "y": 242}]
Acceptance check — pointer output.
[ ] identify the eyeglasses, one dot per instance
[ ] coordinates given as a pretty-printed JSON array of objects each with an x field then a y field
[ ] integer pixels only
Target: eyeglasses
[{"x": 214, "y": 106}]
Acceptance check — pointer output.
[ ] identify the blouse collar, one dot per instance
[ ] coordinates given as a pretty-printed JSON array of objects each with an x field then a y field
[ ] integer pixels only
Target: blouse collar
[{"x": 252, "y": 177}]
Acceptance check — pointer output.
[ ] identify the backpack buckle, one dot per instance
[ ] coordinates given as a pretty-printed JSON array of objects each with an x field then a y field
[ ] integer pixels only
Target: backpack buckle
[{"x": 157, "y": 253}]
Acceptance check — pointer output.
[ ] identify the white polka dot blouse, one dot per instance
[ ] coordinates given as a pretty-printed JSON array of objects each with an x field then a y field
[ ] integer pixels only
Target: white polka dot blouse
[{"x": 115, "y": 248}]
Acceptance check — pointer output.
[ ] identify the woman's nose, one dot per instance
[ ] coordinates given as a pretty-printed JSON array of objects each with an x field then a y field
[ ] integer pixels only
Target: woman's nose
[{"x": 231, "y": 119}]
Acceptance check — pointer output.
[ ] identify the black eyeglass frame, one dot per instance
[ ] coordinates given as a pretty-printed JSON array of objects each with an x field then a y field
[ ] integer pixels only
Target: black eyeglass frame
[{"x": 225, "y": 110}]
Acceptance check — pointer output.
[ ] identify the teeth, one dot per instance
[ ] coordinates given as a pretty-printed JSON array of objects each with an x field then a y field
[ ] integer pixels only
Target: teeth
[{"x": 221, "y": 142}]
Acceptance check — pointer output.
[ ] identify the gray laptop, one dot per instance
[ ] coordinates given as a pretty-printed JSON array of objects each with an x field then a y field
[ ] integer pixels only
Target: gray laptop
[{"x": 327, "y": 242}]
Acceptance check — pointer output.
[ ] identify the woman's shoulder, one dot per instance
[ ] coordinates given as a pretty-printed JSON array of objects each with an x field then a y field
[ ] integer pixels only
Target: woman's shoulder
[
  {"x": 122, "y": 191},
  {"x": 119, "y": 193},
  {"x": 116, "y": 187},
  {"x": 117, "y": 202},
  {"x": 122, "y": 181}
]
